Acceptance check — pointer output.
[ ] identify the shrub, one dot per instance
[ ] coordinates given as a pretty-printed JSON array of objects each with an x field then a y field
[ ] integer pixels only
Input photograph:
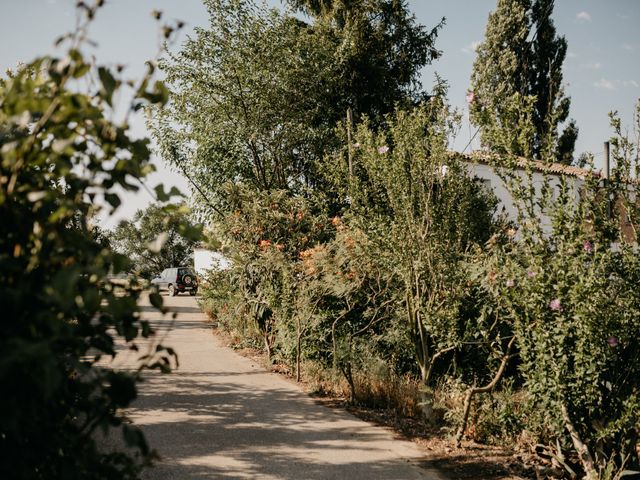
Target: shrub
[
  {"x": 422, "y": 213},
  {"x": 59, "y": 152},
  {"x": 569, "y": 285}
]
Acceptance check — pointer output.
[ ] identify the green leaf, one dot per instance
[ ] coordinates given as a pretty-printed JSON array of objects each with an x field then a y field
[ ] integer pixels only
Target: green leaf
[
  {"x": 163, "y": 196},
  {"x": 156, "y": 300},
  {"x": 122, "y": 388},
  {"x": 113, "y": 199},
  {"x": 109, "y": 84},
  {"x": 81, "y": 70}
]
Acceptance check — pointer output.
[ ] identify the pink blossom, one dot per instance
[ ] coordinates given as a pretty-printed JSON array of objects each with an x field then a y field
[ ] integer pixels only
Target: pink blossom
[
  {"x": 531, "y": 274},
  {"x": 612, "y": 341},
  {"x": 383, "y": 149},
  {"x": 510, "y": 283},
  {"x": 471, "y": 96},
  {"x": 555, "y": 305},
  {"x": 356, "y": 145},
  {"x": 588, "y": 246}
]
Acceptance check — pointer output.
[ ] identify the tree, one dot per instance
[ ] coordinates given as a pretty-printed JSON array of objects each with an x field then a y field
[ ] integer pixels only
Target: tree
[
  {"x": 380, "y": 50},
  {"x": 256, "y": 96},
  {"x": 246, "y": 102},
  {"x": 158, "y": 237},
  {"x": 517, "y": 77},
  {"x": 421, "y": 213}
]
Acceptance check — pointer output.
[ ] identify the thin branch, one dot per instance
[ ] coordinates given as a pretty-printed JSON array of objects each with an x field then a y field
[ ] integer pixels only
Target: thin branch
[{"x": 487, "y": 388}]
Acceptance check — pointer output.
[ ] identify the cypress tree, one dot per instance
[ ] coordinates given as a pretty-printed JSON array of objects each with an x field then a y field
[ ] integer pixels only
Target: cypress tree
[{"x": 517, "y": 83}]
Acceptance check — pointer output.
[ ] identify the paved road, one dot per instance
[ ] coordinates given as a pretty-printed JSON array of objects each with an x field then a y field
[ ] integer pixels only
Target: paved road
[{"x": 221, "y": 416}]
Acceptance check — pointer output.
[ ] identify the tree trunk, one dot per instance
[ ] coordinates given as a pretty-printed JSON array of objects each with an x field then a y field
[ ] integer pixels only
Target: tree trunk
[
  {"x": 487, "y": 388},
  {"x": 583, "y": 451},
  {"x": 267, "y": 346},
  {"x": 427, "y": 376},
  {"x": 348, "y": 374},
  {"x": 298, "y": 354}
]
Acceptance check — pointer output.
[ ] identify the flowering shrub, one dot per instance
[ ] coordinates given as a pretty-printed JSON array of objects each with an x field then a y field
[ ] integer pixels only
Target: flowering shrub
[
  {"x": 355, "y": 299},
  {"x": 421, "y": 214},
  {"x": 265, "y": 237},
  {"x": 577, "y": 320},
  {"x": 570, "y": 288}
]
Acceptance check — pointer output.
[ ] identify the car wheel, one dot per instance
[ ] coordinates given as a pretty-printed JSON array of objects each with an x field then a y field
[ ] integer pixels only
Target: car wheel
[{"x": 172, "y": 291}]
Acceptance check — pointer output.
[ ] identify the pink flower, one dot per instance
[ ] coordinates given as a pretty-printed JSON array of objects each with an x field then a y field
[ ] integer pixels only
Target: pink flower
[
  {"x": 383, "y": 149},
  {"x": 471, "y": 96},
  {"x": 510, "y": 283},
  {"x": 612, "y": 341},
  {"x": 588, "y": 246},
  {"x": 356, "y": 145},
  {"x": 555, "y": 305},
  {"x": 531, "y": 274}
]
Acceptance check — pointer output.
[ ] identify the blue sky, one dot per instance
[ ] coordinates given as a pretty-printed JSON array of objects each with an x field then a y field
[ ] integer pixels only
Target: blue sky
[{"x": 601, "y": 72}]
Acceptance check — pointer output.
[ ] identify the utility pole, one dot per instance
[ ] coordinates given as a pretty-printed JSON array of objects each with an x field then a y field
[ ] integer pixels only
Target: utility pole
[
  {"x": 350, "y": 147},
  {"x": 606, "y": 174},
  {"x": 607, "y": 160}
]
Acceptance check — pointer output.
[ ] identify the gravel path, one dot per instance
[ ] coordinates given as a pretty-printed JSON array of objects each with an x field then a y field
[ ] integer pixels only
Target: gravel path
[{"x": 219, "y": 415}]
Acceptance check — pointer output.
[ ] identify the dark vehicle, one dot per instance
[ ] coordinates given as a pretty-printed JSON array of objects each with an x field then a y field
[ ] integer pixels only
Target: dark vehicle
[{"x": 176, "y": 280}]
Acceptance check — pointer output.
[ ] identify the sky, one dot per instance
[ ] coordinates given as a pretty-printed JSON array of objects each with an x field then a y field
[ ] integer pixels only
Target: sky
[{"x": 601, "y": 71}]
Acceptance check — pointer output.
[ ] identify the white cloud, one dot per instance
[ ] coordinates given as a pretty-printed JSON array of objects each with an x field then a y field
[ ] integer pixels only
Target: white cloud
[
  {"x": 471, "y": 47},
  {"x": 605, "y": 84},
  {"x": 593, "y": 66},
  {"x": 628, "y": 46},
  {"x": 583, "y": 17}
]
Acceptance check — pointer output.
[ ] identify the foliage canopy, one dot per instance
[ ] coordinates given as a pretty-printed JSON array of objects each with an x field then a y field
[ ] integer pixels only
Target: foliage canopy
[{"x": 257, "y": 95}]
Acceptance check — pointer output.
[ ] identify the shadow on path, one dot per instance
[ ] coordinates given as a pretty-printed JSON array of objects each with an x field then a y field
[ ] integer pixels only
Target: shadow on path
[
  {"x": 225, "y": 431},
  {"x": 219, "y": 416}
]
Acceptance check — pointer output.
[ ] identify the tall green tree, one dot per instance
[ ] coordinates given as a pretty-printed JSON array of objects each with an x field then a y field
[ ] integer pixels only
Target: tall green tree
[
  {"x": 256, "y": 96},
  {"x": 246, "y": 102},
  {"x": 517, "y": 79},
  {"x": 422, "y": 213},
  {"x": 380, "y": 50}
]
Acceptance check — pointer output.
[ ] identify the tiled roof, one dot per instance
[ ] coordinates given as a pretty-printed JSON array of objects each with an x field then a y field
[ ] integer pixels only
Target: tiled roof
[{"x": 493, "y": 159}]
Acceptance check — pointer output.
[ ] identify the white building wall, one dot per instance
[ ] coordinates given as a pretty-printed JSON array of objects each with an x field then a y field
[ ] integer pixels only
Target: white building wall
[
  {"x": 491, "y": 179},
  {"x": 205, "y": 260}
]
